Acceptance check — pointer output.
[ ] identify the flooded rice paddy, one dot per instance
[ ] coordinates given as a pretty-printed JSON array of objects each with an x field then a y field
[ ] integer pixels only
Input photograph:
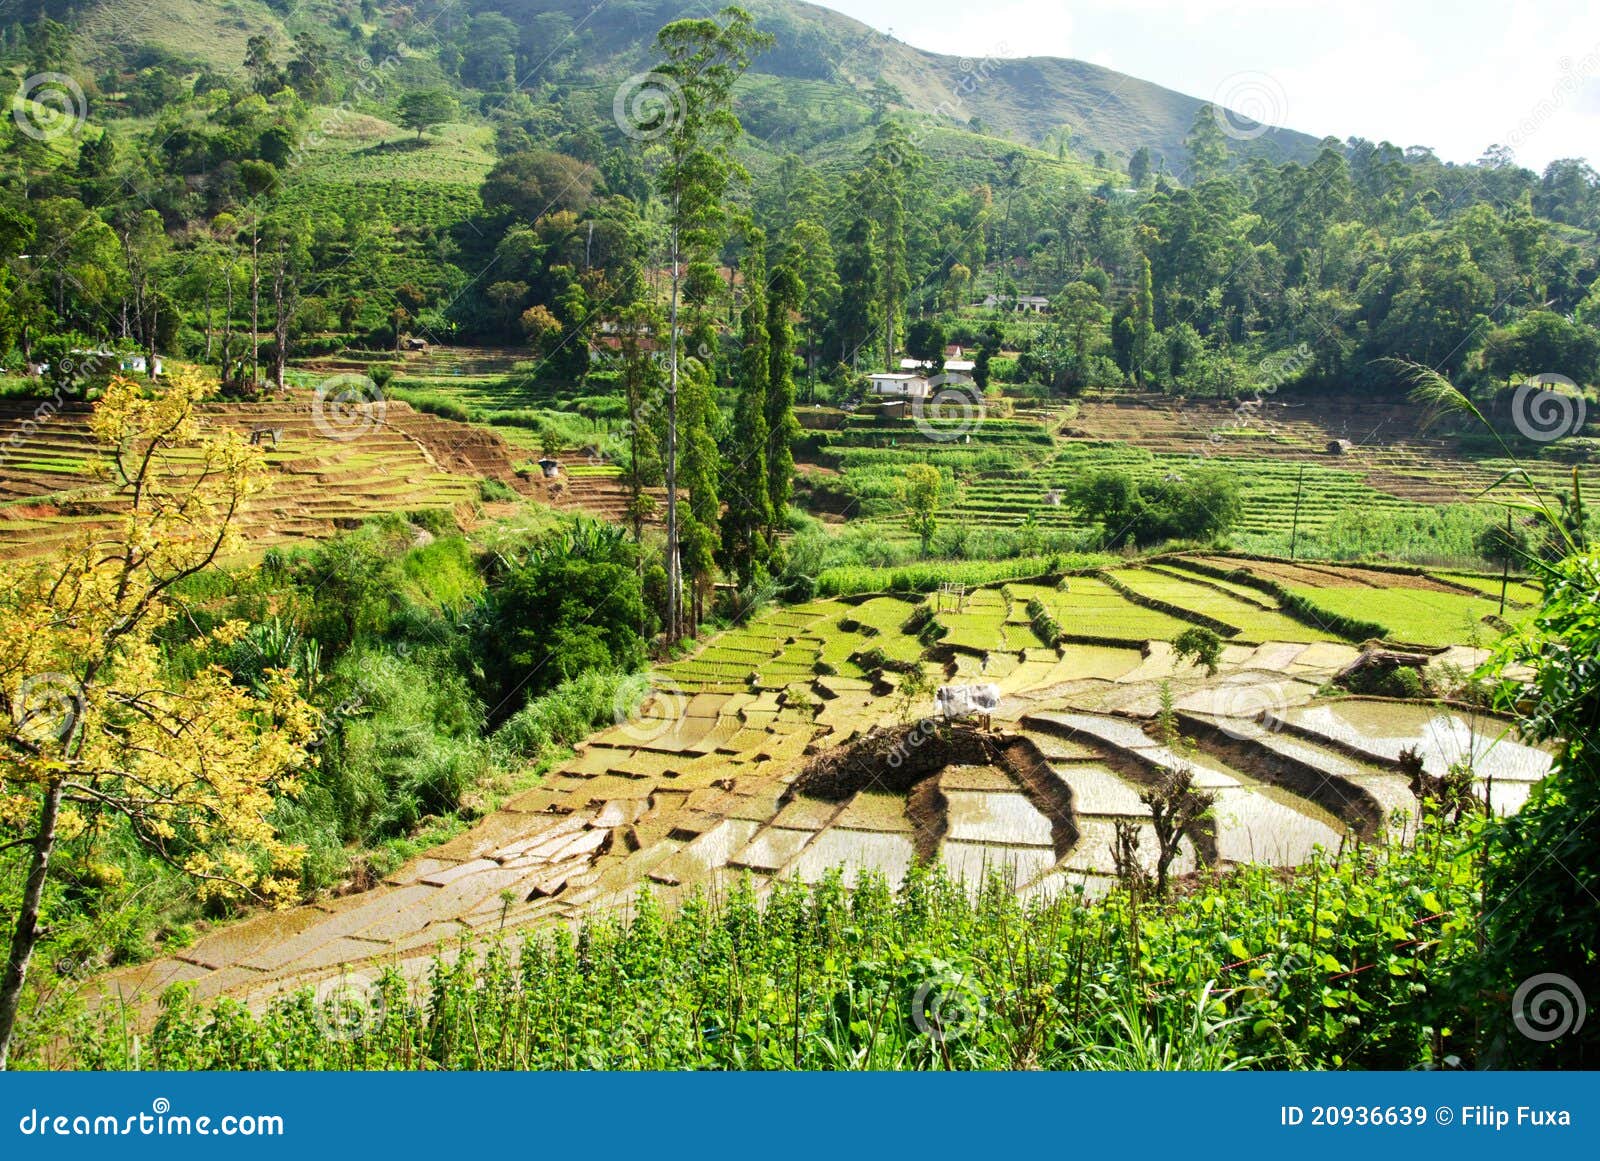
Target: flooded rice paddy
[{"x": 712, "y": 782}]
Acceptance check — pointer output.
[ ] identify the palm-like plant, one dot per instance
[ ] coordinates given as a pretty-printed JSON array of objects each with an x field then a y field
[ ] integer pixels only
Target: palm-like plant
[{"x": 1562, "y": 515}]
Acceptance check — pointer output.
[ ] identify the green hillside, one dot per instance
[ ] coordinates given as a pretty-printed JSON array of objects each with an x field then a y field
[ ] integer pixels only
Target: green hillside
[{"x": 819, "y": 86}]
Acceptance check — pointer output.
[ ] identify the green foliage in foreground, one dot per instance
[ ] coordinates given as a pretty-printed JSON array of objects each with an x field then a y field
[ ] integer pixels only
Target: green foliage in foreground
[
  {"x": 1542, "y": 866},
  {"x": 1340, "y": 964}
]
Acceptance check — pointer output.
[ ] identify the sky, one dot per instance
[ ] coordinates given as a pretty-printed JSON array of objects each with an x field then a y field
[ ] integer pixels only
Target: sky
[{"x": 1456, "y": 77}]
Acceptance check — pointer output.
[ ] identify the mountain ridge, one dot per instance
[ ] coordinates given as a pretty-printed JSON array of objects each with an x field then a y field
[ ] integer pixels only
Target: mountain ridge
[{"x": 1033, "y": 101}]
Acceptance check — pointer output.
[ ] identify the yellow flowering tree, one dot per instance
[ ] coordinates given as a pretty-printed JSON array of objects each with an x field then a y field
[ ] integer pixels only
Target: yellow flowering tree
[{"x": 94, "y": 732}]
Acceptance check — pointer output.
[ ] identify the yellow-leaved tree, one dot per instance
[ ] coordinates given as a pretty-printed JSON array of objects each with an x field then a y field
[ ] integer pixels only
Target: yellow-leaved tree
[{"x": 94, "y": 732}]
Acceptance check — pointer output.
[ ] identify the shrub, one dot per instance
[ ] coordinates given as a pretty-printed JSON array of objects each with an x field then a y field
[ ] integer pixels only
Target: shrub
[
  {"x": 1199, "y": 645},
  {"x": 404, "y": 744},
  {"x": 492, "y": 491},
  {"x": 1540, "y": 864},
  {"x": 1199, "y": 506},
  {"x": 556, "y": 720},
  {"x": 575, "y": 603}
]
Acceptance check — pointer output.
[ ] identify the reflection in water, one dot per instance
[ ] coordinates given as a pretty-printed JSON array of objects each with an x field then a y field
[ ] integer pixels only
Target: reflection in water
[{"x": 1442, "y": 737}]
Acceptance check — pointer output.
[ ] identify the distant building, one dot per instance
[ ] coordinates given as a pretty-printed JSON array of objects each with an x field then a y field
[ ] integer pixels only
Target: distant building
[
  {"x": 136, "y": 364},
  {"x": 904, "y": 384},
  {"x": 1025, "y": 304},
  {"x": 951, "y": 366},
  {"x": 126, "y": 363}
]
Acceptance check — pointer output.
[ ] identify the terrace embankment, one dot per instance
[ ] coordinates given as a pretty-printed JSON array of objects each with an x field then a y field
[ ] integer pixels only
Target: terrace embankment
[
  {"x": 910, "y": 759},
  {"x": 786, "y": 748},
  {"x": 326, "y": 472}
]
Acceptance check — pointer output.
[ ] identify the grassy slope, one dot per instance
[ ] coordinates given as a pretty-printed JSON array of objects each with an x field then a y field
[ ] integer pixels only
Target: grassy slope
[
  {"x": 823, "y": 68},
  {"x": 362, "y": 149},
  {"x": 213, "y": 32}
]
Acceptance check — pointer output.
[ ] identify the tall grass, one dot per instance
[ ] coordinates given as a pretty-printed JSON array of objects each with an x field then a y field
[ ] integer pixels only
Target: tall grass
[
  {"x": 548, "y": 725},
  {"x": 574, "y": 430},
  {"x": 925, "y": 576},
  {"x": 1443, "y": 536},
  {"x": 1342, "y": 963}
]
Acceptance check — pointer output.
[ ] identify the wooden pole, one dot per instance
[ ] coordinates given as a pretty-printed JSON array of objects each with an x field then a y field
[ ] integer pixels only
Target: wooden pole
[
  {"x": 1294, "y": 530},
  {"x": 1505, "y": 564}
]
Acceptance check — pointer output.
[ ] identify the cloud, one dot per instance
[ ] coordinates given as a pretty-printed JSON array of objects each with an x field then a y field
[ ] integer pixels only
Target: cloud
[{"x": 1456, "y": 76}]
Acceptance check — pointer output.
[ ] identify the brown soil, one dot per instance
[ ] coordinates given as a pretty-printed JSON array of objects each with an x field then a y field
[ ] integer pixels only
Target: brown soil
[{"x": 1331, "y": 576}]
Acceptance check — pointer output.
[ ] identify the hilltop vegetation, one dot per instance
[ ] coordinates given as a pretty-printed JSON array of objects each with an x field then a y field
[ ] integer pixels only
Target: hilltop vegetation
[{"x": 1183, "y": 258}]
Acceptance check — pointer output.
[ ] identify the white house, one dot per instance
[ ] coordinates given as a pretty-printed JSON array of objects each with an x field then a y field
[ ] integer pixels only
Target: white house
[
  {"x": 904, "y": 384},
  {"x": 126, "y": 362},
  {"x": 135, "y": 364},
  {"x": 1026, "y": 303},
  {"x": 951, "y": 366}
]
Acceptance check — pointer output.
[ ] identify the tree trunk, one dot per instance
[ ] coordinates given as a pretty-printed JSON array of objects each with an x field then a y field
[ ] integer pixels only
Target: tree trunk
[
  {"x": 635, "y": 441},
  {"x": 26, "y": 934},
  {"x": 255, "y": 310},
  {"x": 151, "y": 327},
  {"x": 674, "y": 571},
  {"x": 227, "y": 326},
  {"x": 282, "y": 308}
]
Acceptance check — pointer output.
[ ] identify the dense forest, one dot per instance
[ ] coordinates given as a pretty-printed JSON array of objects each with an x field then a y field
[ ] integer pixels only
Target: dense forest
[{"x": 177, "y": 214}]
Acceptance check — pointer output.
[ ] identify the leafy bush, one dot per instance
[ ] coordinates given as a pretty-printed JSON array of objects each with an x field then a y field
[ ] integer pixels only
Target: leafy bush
[
  {"x": 1201, "y": 646},
  {"x": 1148, "y": 511},
  {"x": 403, "y": 744},
  {"x": 492, "y": 491},
  {"x": 1542, "y": 865},
  {"x": 573, "y": 603}
]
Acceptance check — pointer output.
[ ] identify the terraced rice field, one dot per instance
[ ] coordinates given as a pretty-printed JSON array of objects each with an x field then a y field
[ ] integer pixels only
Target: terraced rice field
[
  {"x": 50, "y": 490},
  {"x": 1433, "y": 609},
  {"x": 1088, "y": 607},
  {"x": 324, "y": 476},
  {"x": 1255, "y": 621},
  {"x": 783, "y": 749},
  {"x": 1277, "y": 453},
  {"x": 1389, "y": 448}
]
